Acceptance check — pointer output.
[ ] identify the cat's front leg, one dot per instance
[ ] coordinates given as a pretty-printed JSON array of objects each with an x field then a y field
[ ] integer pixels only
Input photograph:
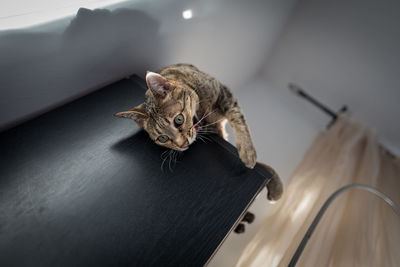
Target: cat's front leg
[{"x": 244, "y": 144}]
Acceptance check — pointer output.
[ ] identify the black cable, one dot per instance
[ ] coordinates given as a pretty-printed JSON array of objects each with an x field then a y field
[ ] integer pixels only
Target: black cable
[{"x": 324, "y": 207}]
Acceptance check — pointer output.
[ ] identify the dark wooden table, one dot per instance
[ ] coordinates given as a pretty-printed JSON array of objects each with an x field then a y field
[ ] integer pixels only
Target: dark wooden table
[{"x": 79, "y": 187}]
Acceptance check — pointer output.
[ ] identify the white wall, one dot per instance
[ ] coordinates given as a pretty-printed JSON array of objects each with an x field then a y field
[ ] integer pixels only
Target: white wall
[
  {"x": 345, "y": 52},
  {"x": 44, "y": 66}
]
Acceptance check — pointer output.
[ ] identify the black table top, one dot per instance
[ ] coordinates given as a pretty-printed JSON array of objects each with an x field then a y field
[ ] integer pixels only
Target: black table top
[{"x": 79, "y": 187}]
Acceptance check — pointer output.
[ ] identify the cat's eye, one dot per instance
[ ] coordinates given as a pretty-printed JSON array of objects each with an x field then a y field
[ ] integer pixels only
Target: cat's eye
[
  {"x": 163, "y": 138},
  {"x": 179, "y": 119}
]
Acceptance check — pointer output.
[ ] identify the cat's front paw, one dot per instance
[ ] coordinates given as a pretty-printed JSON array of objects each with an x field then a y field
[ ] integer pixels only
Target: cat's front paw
[{"x": 247, "y": 154}]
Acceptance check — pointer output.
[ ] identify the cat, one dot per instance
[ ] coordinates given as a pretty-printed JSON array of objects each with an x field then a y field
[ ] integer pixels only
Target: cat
[{"x": 182, "y": 101}]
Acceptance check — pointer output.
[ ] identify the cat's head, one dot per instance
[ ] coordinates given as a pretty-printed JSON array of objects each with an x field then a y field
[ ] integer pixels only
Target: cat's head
[{"x": 168, "y": 113}]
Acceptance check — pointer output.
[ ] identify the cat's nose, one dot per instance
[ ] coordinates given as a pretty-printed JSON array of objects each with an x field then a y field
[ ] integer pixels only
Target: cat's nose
[{"x": 186, "y": 144}]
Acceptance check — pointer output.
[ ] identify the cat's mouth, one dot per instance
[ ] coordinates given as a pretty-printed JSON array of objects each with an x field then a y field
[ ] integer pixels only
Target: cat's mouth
[
  {"x": 197, "y": 128},
  {"x": 195, "y": 124}
]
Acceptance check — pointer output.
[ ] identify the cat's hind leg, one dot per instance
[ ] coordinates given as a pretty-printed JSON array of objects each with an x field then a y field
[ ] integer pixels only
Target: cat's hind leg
[{"x": 274, "y": 186}]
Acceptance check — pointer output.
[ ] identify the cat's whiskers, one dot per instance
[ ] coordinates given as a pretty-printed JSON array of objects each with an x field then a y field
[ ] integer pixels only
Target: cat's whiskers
[
  {"x": 211, "y": 112},
  {"x": 199, "y": 120},
  {"x": 206, "y": 131},
  {"x": 203, "y": 126},
  {"x": 162, "y": 154},
  {"x": 170, "y": 159},
  {"x": 204, "y": 139},
  {"x": 205, "y": 115},
  {"x": 201, "y": 138},
  {"x": 178, "y": 153},
  {"x": 164, "y": 158},
  {"x": 204, "y": 134},
  {"x": 193, "y": 91},
  {"x": 174, "y": 156}
]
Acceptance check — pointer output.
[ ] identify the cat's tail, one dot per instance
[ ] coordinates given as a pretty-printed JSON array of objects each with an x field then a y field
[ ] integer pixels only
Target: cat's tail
[{"x": 274, "y": 185}]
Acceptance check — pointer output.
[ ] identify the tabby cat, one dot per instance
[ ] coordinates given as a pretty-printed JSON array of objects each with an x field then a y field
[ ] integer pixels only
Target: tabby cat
[{"x": 181, "y": 100}]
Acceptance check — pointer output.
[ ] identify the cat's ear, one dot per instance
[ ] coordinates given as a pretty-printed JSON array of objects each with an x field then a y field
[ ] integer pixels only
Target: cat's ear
[
  {"x": 158, "y": 85},
  {"x": 138, "y": 114}
]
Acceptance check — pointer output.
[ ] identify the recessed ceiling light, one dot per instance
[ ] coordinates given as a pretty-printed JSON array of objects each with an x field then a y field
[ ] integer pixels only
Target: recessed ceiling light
[{"x": 187, "y": 14}]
